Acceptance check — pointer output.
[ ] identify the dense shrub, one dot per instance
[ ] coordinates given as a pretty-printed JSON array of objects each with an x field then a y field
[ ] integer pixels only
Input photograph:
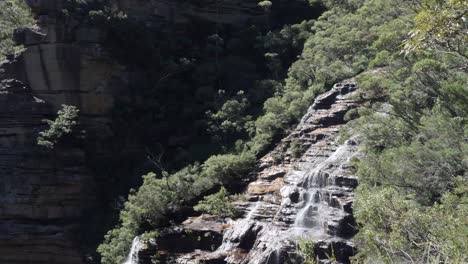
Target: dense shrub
[
  {"x": 13, "y": 15},
  {"x": 411, "y": 202},
  {"x": 398, "y": 229},
  {"x": 218, "y": 204},
  {"x": 160, "y": 196},
  {"x": 64, "y": 125}
]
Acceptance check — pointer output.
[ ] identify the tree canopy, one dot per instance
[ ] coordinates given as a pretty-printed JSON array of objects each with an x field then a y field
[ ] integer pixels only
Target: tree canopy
[{"x": 13, "y": 14}]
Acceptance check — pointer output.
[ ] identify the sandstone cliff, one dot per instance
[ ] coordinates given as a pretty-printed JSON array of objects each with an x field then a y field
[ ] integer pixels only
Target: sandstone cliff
[{"x": 43, "y": 194}]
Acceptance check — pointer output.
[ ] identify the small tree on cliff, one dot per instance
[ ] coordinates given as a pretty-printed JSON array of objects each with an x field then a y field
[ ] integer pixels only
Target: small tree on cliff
[
  {"x": 218, "y": 204},
  {"x": 64, "y": 124}
]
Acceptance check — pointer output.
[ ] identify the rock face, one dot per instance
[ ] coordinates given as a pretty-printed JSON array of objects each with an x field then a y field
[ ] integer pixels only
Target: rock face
[
  {"x": 44, "y": 194},
  {"x": 41, "y": 195},
  {"x": 305, "y": 194}
]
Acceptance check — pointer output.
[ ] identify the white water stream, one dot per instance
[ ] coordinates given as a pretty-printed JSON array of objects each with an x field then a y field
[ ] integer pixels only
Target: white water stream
[
  {"x": 132, "y": 257},
  {"x": 311, "y": 218}
]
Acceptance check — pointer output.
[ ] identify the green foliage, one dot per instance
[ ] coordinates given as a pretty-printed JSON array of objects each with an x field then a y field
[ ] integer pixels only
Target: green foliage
[
  {"x": 305, "y": 249},
  {"x": 440, "y": 24},
  {"x": 425, "y": 167},
  {"x": 339, "y": 48},
  {"x": 398, "y": 229},
  {"x": 147, "y": 236},
  {"x": 228, "y": 167},
  {"x": 231, "y": 121},
  {"x": 343, "y": 42},
  {"x": 63, "y": 125},
  {"x": 266, "y": 5},
  {"x": 13, "y": 14},
  {"x": 218, "y": 204},
  {"x": 161, "y": 196},
  {"x": 296, "y": 148},
  {"x": 411, "y": 203}
]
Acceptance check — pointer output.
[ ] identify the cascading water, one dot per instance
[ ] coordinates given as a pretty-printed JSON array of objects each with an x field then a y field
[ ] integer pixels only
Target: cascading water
[
  {"x": 312, "y": 217},
  {"x": 132, "y": 257},
  {"x": 307, "y": 197},
  {"x": 315, "y": 196},
  {"x": 252, "y": 211}
]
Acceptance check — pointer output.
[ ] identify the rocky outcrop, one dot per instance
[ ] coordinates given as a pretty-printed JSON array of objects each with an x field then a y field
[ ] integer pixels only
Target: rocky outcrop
[{"x": 296, "y": 196}]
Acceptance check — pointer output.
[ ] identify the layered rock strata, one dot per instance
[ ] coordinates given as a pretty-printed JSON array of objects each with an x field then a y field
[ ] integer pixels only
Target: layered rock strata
[
  {"x": 44, "y": 193},
  {"x": 304, "y": 193}
]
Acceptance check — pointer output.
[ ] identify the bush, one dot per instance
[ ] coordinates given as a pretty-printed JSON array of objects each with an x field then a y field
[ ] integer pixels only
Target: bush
[
  {"x": 297, "y": 148},
  {"x": 218, "y": 204},
  {"x": 13, "y": 15},
  {"x": 65, "y": 124},
  {"x": 160, "y": 196},
  {"x": 305, "y": 249},
  {"x": 396, "y": 228}
]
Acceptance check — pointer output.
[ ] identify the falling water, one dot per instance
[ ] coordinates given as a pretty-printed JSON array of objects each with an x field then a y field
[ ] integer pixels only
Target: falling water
[
  {"x": 312, "y": 216},
  {"x": 313, "y": 193},
  {"x": 252, "y": 211},
  {"x": 133, "y": 255}
]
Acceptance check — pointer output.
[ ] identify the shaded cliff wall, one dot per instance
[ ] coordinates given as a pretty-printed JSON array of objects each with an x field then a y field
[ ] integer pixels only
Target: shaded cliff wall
[
  {"x": 46, "y": 197},
  {"x": 44, "y": 194},
  {"x": 41, "y": 195}
]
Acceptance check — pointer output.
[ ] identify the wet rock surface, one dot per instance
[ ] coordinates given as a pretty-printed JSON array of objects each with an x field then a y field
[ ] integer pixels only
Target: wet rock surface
[
  {"x": 308, "y": 197},
  {"x": 314, "y": 198}
]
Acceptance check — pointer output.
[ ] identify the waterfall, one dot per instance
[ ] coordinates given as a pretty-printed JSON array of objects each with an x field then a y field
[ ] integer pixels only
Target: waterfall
[
  {"x": 132, "y": 257},
  {"x": 298, "y": 198},
  {"x": 311, "y": 218},
  {"x": 252, "y": 211}
]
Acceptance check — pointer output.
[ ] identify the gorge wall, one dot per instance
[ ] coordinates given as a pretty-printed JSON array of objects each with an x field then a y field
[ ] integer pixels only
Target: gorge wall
[{"x": 44, "y": 195}]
